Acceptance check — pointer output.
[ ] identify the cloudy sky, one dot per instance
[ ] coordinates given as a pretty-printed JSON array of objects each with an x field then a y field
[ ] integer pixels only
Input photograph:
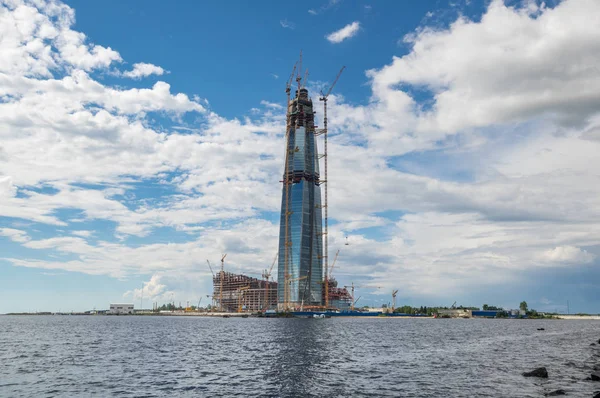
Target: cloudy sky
[{"x": 138, "y": 140}]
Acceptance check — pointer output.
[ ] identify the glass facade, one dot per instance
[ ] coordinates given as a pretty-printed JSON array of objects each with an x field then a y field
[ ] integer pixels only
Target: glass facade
[{"x": 301, "y": 196}]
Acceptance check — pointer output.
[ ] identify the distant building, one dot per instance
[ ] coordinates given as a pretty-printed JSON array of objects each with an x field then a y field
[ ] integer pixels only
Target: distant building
[
  {"x": 244, "y": 293},
  {"x": 455, "y": 313},
  {"x": 120, "y": 309}
]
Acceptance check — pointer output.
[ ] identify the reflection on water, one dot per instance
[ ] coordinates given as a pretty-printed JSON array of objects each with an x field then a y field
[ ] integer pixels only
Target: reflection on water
[{"x": 171, "y": 356}]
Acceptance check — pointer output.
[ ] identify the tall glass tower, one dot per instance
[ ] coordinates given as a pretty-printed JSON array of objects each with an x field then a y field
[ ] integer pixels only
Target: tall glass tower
[{"x": 300, "y": 267}]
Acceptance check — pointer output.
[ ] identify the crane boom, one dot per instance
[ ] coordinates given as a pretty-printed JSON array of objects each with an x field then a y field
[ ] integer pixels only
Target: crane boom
[
  {"x": 291, "y": 79},
  {"x": 211, "y": 270},
  {"x": 305, "y": 79},
  {"x": 333, "y": 84},
  {"x": 274, "y": 261},
  {"x": 333, "y": 264}
]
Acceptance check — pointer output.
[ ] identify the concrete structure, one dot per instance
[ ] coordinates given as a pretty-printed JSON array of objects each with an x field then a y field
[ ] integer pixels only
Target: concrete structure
[
  {"x": 244, "y": 292},
  {"x": 300, "y": 267},
  {"x": 455, "y": 313},
  {"x": 121, "y": 309}
]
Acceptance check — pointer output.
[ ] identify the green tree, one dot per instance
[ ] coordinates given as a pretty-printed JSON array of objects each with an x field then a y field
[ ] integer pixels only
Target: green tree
[
  {"x": 523, "y": 306},
  {"x": 485, "y": 307}
]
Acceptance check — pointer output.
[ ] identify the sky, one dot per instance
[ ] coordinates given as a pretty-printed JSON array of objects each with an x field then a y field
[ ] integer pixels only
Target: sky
[{"x": 138, "y": 140}]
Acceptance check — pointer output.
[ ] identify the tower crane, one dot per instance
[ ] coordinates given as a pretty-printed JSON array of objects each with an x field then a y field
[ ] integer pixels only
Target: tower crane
[
  {"x": 394, "y": 292},
  {"x": 267, "y": 275},
  {"x": 305, "y": 79},
  {"x": 323, "y": 131},
  {"x": 352, "y": 287},
  {"x": 222, "y": 275},
  {"x": 209, "y": 267},
  {"x": 213, "y": 274},
  {"x": 333, "y": 264}
]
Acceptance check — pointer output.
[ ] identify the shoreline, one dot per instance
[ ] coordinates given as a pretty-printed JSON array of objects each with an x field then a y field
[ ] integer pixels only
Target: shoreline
[{"x": 247, "y": 315}]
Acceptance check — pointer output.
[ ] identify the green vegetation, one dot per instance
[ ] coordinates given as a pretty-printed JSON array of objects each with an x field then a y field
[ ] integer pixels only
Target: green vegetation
[
  {"x": 523, "y": 306},
  {"x": 429, "y": 311},
  {"x": 491, "y": 308}
]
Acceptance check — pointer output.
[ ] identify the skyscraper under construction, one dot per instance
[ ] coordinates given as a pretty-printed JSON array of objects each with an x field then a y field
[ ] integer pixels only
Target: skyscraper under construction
[{"x": 300, "y": 267}]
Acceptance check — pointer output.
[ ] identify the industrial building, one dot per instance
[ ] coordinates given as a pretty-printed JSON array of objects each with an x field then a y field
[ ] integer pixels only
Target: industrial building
[{"x": 121, "y": 309}]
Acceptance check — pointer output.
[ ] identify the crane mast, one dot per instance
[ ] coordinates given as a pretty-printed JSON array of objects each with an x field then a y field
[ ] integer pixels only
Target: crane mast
[
  {"x": 221, "y": 287},
  {"x": 324, "y": 181}
]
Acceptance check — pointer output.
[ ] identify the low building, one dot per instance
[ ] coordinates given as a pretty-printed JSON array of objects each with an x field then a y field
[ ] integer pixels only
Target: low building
[
  {"x": 455, "y": 313},
  {"x": 486, "y": 313},
  {"x": 121, "y": 309}
]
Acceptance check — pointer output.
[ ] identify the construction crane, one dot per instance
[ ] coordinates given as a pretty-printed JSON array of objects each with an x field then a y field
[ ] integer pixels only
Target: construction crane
[
  {"x": 323, "y": 131},
  {"x": 267, "y": 275},
  {"x": 394, "y": 292},
  {"x": 305, "y": 79},
  {"x": 209, "y": 267},
  {"x": 333, "y": 264},
  {"x": 352, "y": 287},
  {"x": 213, "y": 274},
  {"x": 222, "y": 275}
]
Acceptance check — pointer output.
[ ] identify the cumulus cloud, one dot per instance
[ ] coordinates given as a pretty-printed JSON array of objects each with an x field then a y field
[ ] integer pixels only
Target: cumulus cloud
[
  {"x": 567, "y": 254},
  {"x": 152, "y": 290},
  {"x": 346, "y": 32},
  {"x": 509, "y": 66},
  {"x": 142, "y": 70}
]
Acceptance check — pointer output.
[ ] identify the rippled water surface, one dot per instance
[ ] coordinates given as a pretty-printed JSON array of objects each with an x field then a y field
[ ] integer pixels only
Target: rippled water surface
[{"x": 78, "y": 356}]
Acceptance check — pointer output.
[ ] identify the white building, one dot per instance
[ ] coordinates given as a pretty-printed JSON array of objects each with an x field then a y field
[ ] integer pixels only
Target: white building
[{"x": 120, "y": 309}]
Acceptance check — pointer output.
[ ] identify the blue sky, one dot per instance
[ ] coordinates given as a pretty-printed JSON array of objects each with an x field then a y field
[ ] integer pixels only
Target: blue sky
[{"x": 137, "y": 142}]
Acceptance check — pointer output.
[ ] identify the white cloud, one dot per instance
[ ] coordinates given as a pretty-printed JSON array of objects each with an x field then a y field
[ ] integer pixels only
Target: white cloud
[
  {"x": 507, "y": 67},
  {"x": 83, "y": 234},
  {"x": 329, "y": 4},
  {"x": 142, "y": 70},
  {"x": 567, "y": 254},
  {"x": 346, "y": 32},
  {"x": 152, "y": 290},
  {"x": 271, "y": 104},
  {"x": 287, "y": 24},
  {"x": 16, "y": 235}
]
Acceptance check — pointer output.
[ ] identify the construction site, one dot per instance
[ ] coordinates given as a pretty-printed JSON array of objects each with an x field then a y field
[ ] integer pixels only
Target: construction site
[
  {"x": 305, "y": 280},
  {"x": 242, "y": 293}
]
